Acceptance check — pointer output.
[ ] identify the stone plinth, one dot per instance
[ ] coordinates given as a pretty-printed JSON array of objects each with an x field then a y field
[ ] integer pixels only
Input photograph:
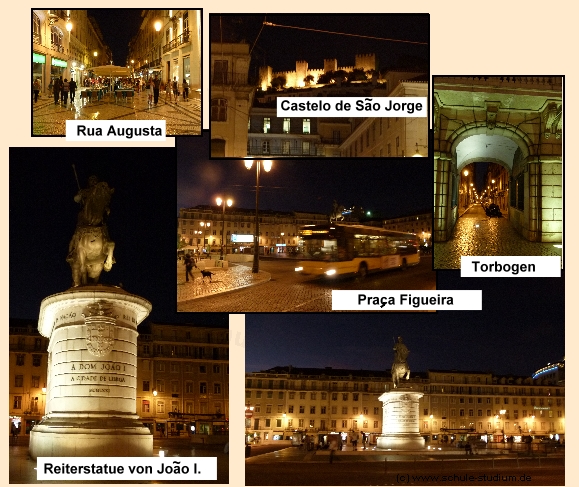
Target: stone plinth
[
  {"x": 400, "y": 415},
  {"x": 92, "y": 375}
]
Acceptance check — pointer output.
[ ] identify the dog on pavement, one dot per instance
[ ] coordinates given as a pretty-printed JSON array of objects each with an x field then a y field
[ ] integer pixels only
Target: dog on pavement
[{"x": 205, "y": 274}]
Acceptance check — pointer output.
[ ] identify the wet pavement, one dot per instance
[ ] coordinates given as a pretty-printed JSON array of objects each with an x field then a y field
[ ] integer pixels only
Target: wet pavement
[
  {"x": 477, "y": 234},
  {"x": 294, "y": 466},
  {"x": 235, "y": 276},
  {"x": 182, "y": 117}
]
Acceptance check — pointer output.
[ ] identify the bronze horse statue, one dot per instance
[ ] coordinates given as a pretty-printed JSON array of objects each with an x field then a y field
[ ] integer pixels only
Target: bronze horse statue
[
  {"x": 400, "y": 371},
  {"x": 91, "y": 250}
]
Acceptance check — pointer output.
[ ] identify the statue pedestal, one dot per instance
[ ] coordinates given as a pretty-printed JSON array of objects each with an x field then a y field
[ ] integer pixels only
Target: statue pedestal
[
  {"x": 400, "y": 415},
  {"x": 92, "y": 375}
]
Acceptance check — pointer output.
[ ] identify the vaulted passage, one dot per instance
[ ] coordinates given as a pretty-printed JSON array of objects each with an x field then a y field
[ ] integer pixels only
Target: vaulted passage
[{"x": 497, "y": 140}]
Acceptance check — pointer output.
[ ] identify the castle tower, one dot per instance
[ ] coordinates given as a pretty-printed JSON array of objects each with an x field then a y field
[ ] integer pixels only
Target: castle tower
[
  {"x": 301, "y": 73},
  {"x": 330, "y": 65},
  {"x": 265, "y": 75},
  {"x": 366, "y": 62}
]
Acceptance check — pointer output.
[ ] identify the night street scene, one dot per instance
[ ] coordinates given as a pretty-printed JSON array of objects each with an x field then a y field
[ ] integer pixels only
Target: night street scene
[
  {"x": 255, "y": 59},
  {"x": 323, "y": 225},
  {"x": 116, "y": 64},
  {"x": 328, "y": 400},
  {"x": 498, "y": 167},
  {"x": 170, "y": 395}
]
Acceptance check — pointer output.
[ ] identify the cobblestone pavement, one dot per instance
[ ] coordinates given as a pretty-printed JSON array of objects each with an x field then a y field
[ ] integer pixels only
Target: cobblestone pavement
[
  {"x": 182, "y": 118},
  {"x": 282, "y": 289},
  {"x": 395, "y": 470},
  {"x": 477, "y": 234},
  {"x": 222, "y": 280}
]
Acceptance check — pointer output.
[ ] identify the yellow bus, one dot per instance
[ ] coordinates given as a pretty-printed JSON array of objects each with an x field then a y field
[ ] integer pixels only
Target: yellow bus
[{"x": 339, "y": 249}]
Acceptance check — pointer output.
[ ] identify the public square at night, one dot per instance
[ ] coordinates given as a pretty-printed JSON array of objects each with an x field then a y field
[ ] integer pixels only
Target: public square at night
[{"x": 293, "y": 194}]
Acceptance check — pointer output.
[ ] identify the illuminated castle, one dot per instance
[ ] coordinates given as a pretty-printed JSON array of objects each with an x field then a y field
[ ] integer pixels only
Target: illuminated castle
[{"x": 295, "y": 79}]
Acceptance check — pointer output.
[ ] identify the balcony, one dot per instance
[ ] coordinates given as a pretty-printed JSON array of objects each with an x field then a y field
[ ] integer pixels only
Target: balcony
[{"x": 178, "y": 41}]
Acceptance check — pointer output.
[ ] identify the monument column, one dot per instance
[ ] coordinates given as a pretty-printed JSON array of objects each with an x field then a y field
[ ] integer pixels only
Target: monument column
[
  {"x": 400, "y": 413},
  {"x": 92, "y": 351}
]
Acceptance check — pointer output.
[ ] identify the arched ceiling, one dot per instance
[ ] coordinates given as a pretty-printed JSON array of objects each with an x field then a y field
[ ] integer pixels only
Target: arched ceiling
[{"x": 486, "y": 148}]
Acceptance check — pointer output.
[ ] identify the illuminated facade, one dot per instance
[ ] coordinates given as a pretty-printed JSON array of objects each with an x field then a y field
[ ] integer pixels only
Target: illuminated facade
[
  {"x": 182, "y": 378},
  {"x": 420, "y": 224},
  {"x": 391, "y": 136},
  {"x": 284, "y": 400},
  {"x": 200, "y": 227},
  {"x": 56, "y": 51},
  {"x": 168, "y": 44},
  {"x": 305, "y": 76}
]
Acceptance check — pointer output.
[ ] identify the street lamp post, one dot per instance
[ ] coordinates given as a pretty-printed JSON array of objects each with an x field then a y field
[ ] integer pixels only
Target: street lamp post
[
  {"x": 229, "y": 203},
  {"x": 267, "y": 168}
]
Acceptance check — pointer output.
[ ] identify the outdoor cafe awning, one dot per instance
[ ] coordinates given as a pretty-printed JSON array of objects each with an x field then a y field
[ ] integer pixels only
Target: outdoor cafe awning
[{"x": 111, "y": 71}]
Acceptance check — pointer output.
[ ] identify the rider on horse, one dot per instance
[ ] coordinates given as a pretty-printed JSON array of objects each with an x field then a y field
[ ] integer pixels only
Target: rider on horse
[{"x": 90, "y": 249}]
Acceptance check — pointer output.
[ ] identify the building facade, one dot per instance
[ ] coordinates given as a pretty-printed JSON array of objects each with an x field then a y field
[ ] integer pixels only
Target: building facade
[
  {"x": 231, "y": 98},
  {"x": 200, "y": 228},
  {"x": 168, "y": 44},
  {"x": 285, "y": 400},
  {"x": 420, "y": 224},
  {"x": 182, "y": 378},
  {"x": 28, "y": 362},
  {"x": 65, "y": 43},
  {"x": 391, "y": 136}
]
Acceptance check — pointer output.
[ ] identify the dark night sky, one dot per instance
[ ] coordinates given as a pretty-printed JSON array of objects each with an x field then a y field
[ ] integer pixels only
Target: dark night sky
[
  {"x": 520, "y": 329},
  {"x": 119, "y": 26},
  {"x": 280, "y": 47},
  {"x": 142, "y": 224},
  {"x": 393, "y": 187}
]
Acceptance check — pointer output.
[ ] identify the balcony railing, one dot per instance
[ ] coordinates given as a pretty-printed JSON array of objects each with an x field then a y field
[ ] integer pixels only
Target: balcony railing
[
  {"x": 316, "y": 150},
  {"x": 178, "y": 41}
]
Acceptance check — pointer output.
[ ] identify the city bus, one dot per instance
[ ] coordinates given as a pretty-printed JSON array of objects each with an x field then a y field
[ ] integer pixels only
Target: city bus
[{"x": 339, "y": 249}]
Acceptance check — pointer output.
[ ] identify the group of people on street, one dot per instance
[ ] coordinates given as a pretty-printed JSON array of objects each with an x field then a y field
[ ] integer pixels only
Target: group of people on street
[{"x": 61, "y": 89}]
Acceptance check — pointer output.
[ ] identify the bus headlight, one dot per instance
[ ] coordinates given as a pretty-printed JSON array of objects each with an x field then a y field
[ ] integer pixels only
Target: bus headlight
[
  {"x": 330, "y": 272},
  {"x": 299, "y": 269}
]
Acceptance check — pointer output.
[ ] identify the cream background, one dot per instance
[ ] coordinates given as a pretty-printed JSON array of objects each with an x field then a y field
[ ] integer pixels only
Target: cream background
[{"x": 488, "y": 38}]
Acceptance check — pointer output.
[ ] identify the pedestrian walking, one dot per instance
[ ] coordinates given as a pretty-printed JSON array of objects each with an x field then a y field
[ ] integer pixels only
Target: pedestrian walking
[
  {"x": 175, "y": 89},
  {"x": 36, "y": 89},
  {"x": 57, "y": 87},
  {"x": 168, "y": 91},
  {"x": 185, "y": 90},
  {"x": 65, "y": 91},
  {"x": 189, "y": 264},
  {"x": 157, "y": 85},
  {"x": 50, "y": 86},
  {"x": 150, "y": 91},
  {"x": 72, "y": 89}
]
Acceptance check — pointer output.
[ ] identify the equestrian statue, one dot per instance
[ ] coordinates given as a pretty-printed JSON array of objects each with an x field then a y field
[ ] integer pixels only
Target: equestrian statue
[
  {"x": 90, "y": 249},
  {"x": 400, "y": 369}
]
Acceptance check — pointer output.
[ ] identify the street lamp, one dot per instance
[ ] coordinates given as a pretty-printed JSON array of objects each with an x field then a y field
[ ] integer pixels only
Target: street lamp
[
  {"x": 229, "y": 203},
  {"x": 95, "y": 54},
  {"x": 267, "y": 168}
]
